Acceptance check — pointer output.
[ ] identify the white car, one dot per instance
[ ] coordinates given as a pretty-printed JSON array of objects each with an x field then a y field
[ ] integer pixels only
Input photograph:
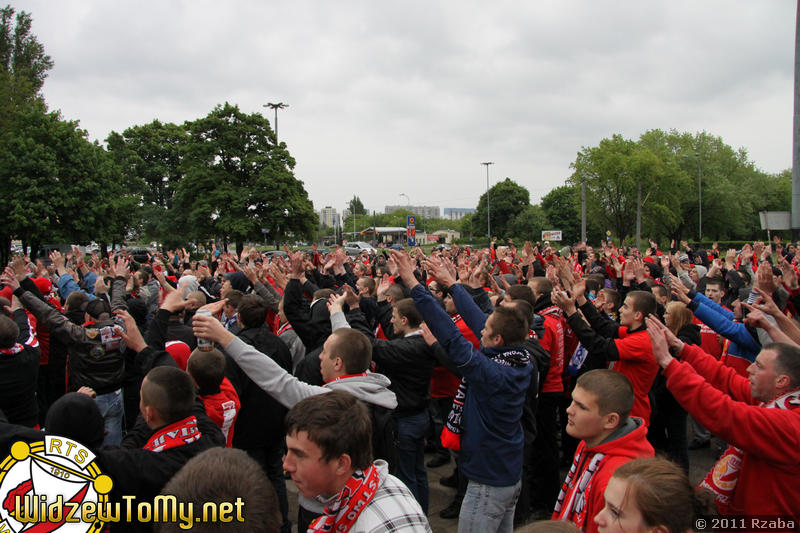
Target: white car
[{"x": 355, "y": 248}]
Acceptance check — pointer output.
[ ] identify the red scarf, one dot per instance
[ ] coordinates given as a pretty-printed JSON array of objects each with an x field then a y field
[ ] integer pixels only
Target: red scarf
[
  {"x": 359, "y": 490},
  {"x": 181, "y": 432}
]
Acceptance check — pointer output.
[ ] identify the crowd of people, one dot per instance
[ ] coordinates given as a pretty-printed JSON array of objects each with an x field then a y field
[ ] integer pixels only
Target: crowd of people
[{"x": 217, "y": 375}]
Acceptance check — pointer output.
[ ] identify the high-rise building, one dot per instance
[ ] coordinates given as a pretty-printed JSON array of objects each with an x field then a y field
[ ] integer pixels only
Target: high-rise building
[
  {"x": 425, "y": 211},
  {"x": 456, "y": 213},
  {"x": 328, "y": 217}
]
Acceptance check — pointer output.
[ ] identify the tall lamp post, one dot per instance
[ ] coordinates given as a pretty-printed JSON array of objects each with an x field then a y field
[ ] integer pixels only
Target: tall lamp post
[
  {"x": 279, "y": 105},
  {"x": 488, "y": 212},
  {"x": 408, "y": 204},
  {"x": 699, "y": 197}
]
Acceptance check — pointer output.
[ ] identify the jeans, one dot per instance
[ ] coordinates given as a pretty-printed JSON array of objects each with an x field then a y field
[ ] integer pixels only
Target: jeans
[
  {"x": 411, "y": 456},
  {"x": 110, "y": 405},
  {"x": 488, "y": 509}
]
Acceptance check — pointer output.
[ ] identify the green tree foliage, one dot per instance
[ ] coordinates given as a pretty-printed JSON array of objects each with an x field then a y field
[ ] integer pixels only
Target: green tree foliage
[
  {"x": 613, "y": 172},
  {"x": 507, "y": 199},
  {"x": 58, "y": 186},
  {"x": 733, "y": 189},
  {"x": 23, "y": 65},
  {"x": 467, "y": 225},
  {"x": 529, "y": 223},
  {"x": 356, "y": 206},
  {"x": 236, "y": 181},
  {"x": 562, "y": 208},
  {"x": 149, "y": 156}
]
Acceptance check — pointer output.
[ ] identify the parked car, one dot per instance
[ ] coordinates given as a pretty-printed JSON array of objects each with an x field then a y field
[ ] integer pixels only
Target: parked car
[
  {"x": 271, "y": 254},
  {"x": 139, "y": 253},
  {"x": 355, "y": 248}
]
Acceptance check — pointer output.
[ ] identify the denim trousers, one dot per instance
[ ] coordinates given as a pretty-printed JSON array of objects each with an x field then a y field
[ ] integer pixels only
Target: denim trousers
[
  {"x": 488, "y": 509},
  {"x": 411, "y": 432},
  {"x": 110, "y": 405}
]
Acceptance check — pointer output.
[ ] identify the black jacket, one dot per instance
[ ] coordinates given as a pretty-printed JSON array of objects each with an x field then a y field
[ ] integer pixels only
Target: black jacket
[
  {"x": 95, "y": 356},
  {"x": 408, "y": 362},
  {"x": 19, "y": 369},
  {"x": 260, "y": 420}
]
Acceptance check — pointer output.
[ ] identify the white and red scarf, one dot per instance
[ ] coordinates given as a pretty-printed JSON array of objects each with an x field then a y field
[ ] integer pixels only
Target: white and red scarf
[
  {"x": 180, "y": 433},
  {"x": 722, "y": 479},
  {"x": 359, "y": 490},
  {"x": 453, "y": 427}
]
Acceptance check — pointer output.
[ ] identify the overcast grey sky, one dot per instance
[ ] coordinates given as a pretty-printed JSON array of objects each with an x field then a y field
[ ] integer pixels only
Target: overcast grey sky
[{"x": 390, "y": 97}]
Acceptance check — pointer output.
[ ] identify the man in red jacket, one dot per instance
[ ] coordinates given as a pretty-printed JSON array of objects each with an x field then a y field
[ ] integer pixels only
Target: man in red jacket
[{"x": 759, "y": 416}]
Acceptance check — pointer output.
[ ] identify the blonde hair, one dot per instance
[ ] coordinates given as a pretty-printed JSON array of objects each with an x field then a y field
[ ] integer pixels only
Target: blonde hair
[{"x": 681, "y": 316}]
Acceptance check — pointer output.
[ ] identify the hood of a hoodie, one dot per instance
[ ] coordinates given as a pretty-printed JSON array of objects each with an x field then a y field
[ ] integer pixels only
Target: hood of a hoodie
[
  {"x": 372, "y": 388},
  {"x": 629, "y": 440}
]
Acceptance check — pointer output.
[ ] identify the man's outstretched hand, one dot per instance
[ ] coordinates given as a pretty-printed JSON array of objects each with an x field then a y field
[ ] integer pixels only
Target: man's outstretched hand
[{"x": 405, "y": 267}]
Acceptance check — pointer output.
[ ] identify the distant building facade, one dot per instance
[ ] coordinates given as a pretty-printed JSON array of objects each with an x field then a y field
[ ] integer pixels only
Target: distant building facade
[
  {"x": 425, "y": 211},
  {"x": 456, "y": 213},
  {"x": 328, "y": 217}
]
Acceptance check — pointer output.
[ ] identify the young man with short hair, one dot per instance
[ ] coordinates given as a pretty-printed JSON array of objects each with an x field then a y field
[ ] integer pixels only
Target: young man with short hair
[
  {"x": 486, "y": 418},
  {"x": 599, "y": 417},
  {"x": 625, "y": 347},
  {"x": 329, "y": 457},
  {"x": 344, "y": 360}
]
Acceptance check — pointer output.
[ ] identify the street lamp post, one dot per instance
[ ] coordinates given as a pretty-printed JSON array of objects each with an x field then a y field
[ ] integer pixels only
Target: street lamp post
[
  {"x": 488, "y": 212},
  {"x": 279, "y": 105},
  {"x": 699, "y": 197}
]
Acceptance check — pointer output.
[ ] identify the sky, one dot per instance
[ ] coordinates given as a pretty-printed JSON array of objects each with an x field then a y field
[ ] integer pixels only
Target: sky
[{"x": 401, "y": 101}]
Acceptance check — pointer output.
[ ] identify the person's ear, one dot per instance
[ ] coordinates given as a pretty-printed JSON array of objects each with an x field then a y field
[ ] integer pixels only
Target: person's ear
[
  {"x": 782, "y": 381},
  {"x": 343, "y": 464},
  {"x": 611, "y": 421},
  {"x": 148, "y": 413}
]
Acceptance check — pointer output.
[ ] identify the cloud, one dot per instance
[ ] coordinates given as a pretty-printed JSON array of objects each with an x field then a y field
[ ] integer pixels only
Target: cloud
[{"x": 409, "y": 97}]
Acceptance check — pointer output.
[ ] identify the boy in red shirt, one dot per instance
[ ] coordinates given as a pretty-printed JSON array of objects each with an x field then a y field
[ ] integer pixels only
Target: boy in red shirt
[{"x": 207, "y": 370}]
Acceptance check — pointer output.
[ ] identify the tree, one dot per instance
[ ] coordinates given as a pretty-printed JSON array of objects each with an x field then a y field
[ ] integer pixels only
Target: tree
[
  {"x": 719, "y": 174},
  {"x": 356, "y": 207},
  {"x": 613, "y": 171},
  {"x": 23, "y": 68},
  {"x": 23, "y": 64},
  {"x": 57, "y": 185},
  {"x": 562, "y": 206},
  {"x": 237, "y": 181},
  {"x": 528, "y": 224},
  {"x": 150, "y": 156},
  {"x": 507, "y": 199}
]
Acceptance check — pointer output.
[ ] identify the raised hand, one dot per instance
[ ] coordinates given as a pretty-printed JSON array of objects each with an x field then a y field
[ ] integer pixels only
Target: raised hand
[
  {"x": 121, "y": 268},
  {"x": 658, "y": 340},
  {"x": 438, "y": 268},
  {"x": 405, "y": 267},
  {"x": 9, "y": 278},
  {"x": 681, "y": 292},
  {"x": 564, "y": 302},
  {"x": 130, "y": 332}
]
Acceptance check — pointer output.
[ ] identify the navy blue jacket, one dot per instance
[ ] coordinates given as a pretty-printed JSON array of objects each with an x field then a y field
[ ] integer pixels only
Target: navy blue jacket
[{"x": 492, "y": 438}]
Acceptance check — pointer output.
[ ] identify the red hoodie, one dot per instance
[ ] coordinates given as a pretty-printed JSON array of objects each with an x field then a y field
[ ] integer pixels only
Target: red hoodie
[
  {"x": 223, "y": 408},
  {"x": 581, "y": 496}
]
